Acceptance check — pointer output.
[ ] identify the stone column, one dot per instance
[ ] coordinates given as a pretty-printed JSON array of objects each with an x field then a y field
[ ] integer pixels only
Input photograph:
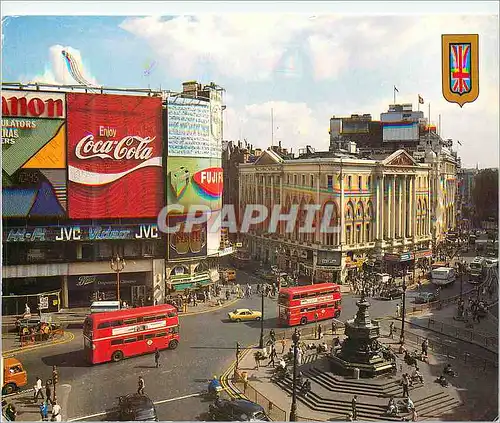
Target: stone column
[
  {"x": 393, "y": 208},
  {"x": 413, "y": 191},
  {"x": 377, "y": 208},
  {"x": 382, "y": 206},
  {"x": 400, "y": 208},
  {"x": 342, "y": 207},
  {"x": 405, "y": 206},
  {"x": 388, "y": 222}
]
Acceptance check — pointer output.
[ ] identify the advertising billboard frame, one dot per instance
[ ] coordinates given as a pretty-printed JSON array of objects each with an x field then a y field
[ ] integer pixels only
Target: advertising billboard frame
[{"x": 115, "y": 147}]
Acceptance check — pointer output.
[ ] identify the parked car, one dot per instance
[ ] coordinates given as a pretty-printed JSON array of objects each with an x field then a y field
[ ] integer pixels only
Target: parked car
[
  {"x": 425, "y": 297},
  {"x": 136, "y": 407},
  {"x": 244, "y": 314},
  {"x": 237, "y": 410},
  {"x": 392, "y": 293}
]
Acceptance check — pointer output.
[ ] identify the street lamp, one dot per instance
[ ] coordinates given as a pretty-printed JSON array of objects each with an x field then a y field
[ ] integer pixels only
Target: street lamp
[
  {"x": 117, "y": 264},
  {"x": 293, "y": 410},
  {"x": 261, "y": 341},
  {"x": 55, "y": 380},
  {"x": 403, "y": 312}
]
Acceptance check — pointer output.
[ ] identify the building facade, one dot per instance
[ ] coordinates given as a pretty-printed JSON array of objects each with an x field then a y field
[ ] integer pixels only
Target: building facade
[
  {"x": 85, "y": 178},
  {"x": 379, "y": 207}
]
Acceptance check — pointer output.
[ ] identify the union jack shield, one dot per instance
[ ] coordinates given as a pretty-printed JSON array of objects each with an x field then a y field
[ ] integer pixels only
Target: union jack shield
[{"x": 460, "y": 67}]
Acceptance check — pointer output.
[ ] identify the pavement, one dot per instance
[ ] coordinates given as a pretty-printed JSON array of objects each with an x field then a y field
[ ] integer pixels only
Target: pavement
[
  {"x": 470, "y": 396},
  {"x": 207, "y": 347}
]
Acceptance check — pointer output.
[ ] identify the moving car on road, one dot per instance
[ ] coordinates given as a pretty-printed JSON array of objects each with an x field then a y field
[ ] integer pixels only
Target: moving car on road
[
  {"x": 237, "y": 410},
  {"x": 443, "y": 276},
  {"x": 391, "y": 293},
  {"x": 241, "y": 314},
  {"x": 136, "y": 407},
  {"x": 425, "y": 297}
]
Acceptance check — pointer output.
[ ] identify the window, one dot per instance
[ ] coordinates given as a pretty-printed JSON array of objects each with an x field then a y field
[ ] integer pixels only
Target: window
[
  {"x": 140, "y": 337},
  {"x": 103, "y": 325},
  {"x": 116, "y": 323},
  {"x": 312, "y": 181},
  {"x": 149, "y": 336},
  {"x": 117, "y": 342},
  {"x": 130, "y": 321},
  {"x": 329, "y": 182},
  {"x": 360, "y": 182},
  {"x": 149, "y": 318},
  {"x": 161, "y": 316},
  {"x": 161, "y": 334},
  {"x": 303, "y": 180},
  {"x": 349, "y": 181},
  {"x": 171, "y": 314},
  {"x": 369, "y": 182},
  {"x": 295, "y": 179},
  {"x": 129, "y": 340}
]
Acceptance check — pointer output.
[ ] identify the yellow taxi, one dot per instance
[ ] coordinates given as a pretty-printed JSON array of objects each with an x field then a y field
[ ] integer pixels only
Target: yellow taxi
[{"x": 241, "y": 314}]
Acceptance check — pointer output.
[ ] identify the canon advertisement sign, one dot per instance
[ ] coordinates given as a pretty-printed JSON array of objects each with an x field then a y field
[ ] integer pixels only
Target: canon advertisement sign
[{"x": 114, "y": 156}]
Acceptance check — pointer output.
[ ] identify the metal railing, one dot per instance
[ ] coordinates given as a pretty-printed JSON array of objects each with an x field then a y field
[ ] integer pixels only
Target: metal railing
[
  {"x": 451, "y": 352},
  {"x": 275, "y": 412},
  {"x": 490, "y": 341}
]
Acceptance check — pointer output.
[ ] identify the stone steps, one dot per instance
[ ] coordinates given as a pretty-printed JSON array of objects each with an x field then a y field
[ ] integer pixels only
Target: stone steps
[
  {"x": 432, "y": 405},
  {"x": 355, "y": 387}
]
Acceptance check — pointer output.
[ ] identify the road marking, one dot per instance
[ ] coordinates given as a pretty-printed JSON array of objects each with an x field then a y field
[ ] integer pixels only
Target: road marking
[
  {"x": 87, "y": 417},
  {"x": 196, "y": 394},
  {"x": 22, "y": 350},
  {"x": 194, "y": 313}
]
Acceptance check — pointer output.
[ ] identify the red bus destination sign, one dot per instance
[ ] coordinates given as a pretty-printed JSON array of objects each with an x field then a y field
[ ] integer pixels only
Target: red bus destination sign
[{"x": 81, "y": 233}]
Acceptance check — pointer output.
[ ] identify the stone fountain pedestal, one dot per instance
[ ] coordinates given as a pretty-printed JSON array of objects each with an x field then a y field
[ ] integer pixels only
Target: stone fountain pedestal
[{"x": 361, "y": 348}]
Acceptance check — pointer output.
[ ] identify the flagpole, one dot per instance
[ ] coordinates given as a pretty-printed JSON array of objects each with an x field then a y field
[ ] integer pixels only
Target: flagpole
[
  {"x": 439, "y": 126},
  {"x": 418, "y": 103},
  {"x": 429, "y": 117},
  {"x": 272, "y": 127},
  {"x": 394, "y": 92}
]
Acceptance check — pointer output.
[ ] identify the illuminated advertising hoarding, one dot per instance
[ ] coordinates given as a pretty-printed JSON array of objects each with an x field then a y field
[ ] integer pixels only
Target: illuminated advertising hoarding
[
  {"x": 33, "y": 154},
  {"x": 114, "y": 156},
  {"x": 184, "y": 244},
  {"x": 400, "y": 131},
  {"x": 194, "y": 181},
  {"x": 188, "y": 126},
  {"x": 215, "y": 123}
]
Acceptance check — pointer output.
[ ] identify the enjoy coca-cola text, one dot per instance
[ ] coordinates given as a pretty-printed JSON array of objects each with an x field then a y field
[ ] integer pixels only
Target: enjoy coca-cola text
[{"x": 129, "y": 147}]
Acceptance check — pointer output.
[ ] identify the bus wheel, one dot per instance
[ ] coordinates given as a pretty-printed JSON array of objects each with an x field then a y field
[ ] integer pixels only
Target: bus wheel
[
  {"x": 173, "y": 344},
  {"x": 117, "y": 356},
  {"x": 303, "y": 321}
]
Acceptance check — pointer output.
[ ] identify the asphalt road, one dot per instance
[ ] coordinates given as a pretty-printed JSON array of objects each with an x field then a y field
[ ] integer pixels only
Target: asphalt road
[{"x": 207, "y": 347}]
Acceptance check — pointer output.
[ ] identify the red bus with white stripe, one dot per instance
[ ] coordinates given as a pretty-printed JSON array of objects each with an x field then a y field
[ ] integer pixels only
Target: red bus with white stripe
[
  {"x": 300, "y": 305},
  {"x": 114, "y": 335}
]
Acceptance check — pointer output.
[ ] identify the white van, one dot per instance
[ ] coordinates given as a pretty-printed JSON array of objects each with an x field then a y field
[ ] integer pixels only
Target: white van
[
  {"x": 443, "y": 276},
  {"x": 100, "y": 306}
]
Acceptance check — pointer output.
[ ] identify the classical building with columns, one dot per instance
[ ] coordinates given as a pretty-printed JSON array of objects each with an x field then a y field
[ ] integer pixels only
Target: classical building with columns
[{"x": 380, "y": 205}]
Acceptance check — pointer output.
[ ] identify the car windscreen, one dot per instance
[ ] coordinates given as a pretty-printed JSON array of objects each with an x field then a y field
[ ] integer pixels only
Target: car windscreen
[
  {"x": 146, "y": 413},
  {"x": 259, "y": 416}
]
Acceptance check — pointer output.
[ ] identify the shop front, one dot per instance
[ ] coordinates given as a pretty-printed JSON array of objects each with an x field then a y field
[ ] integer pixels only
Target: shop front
[{"x": 134, "y": 288}]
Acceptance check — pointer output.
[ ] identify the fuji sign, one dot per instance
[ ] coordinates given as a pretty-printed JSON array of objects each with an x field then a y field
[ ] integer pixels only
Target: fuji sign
[{"x": 210, "y": 180}]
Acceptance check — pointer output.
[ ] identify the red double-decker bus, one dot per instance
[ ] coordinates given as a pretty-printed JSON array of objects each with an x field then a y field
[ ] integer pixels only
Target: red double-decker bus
[
  {"x": 304, "y": 304},
  {"x": 114, "y": 335}
]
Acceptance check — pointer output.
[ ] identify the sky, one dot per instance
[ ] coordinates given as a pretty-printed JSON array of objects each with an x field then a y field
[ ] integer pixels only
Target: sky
[{"x": 305, "y": 67}]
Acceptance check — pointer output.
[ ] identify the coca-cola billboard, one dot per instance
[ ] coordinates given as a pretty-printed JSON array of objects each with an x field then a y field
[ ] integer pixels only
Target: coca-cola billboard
[{"x": 114, "y": 156}]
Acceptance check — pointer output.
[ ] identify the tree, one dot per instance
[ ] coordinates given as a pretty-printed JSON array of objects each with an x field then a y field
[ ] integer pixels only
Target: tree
[{"x": 485, "y": 194}]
